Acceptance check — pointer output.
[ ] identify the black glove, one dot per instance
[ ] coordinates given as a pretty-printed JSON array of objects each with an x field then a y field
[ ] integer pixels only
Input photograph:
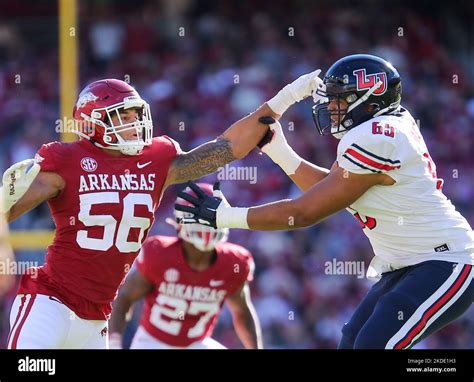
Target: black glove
[
  {"x": 267, "y": 120},
  {"x": 204, "y": 206}
]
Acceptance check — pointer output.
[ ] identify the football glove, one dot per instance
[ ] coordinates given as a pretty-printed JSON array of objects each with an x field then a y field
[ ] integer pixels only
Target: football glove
[
  {"x": 302, "y": 87},
  {"x": 16, "y": 181},
  {"x": 213, "y": 211}
]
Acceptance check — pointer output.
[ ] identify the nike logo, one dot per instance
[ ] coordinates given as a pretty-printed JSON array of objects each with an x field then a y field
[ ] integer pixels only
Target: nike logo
[
  {"x": 216, "y": 283},
  {"x": 139, "y": 165}
]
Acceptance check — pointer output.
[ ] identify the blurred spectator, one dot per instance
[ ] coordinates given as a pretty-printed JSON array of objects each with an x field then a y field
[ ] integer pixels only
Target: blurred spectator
[{"x": 203, "y": 65}]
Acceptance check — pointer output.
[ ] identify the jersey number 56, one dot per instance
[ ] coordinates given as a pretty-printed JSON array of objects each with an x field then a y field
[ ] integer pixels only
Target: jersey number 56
[{"x": 126, "y": 223}]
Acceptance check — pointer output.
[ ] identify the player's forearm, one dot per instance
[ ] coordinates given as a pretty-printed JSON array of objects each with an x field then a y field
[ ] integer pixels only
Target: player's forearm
[
  {"x": 201, "y": 161},
  {"x": 235, "y": 143},
  {"x": 246, "y": 133},
  {"x": 22, "y": 207},
  {"x": 45, "y": 186},
  {"x": 279, "y": 215},
  {"x": 307, "y": 175},
  {"x": 247, "y": 327},
  {"x": 303, "y": 173},
  {"x": 333, "y": 193}
]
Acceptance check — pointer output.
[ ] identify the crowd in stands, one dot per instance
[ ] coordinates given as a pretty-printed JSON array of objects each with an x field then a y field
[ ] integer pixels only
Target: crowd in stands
[{"x": 203, "y": 65}]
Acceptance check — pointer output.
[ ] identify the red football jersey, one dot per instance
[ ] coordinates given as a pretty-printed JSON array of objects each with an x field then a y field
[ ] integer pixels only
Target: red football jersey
[
  {"x": 102, "y": 217},
  {"x": 185, "y": 304}
]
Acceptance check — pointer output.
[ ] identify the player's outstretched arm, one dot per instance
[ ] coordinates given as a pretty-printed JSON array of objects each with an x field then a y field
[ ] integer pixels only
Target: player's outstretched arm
[
  {"x": 246, "y": 133},
  {"x": 135, "y": 287},
  {"x": 235, "y": 143},
  {"x": 25, "y": 187},
  {"x": 335, "y": 192},
  {"x": 242, "y": 136},
  {"x": 245, "y": 319}
]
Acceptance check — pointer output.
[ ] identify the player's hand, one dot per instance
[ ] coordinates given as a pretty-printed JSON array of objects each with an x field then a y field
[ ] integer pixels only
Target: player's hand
[
  {"x": 303, "y": 87},
  {"x": 319, "y": 92},
  {"x": 306, "y": 85},
  {"x": 16, "y": 181},
  {"x": 274, "y": 140},
  {"x": 205, "y": 206},
  {"x": 275, "y": 145},
  {"x": 213, "y": 211}
]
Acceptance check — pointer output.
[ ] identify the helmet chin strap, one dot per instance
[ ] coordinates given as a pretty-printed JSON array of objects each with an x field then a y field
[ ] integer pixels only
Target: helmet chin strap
[
  {"x": 125, "y": 148},
  {"x": 132, "y": 147},
  {"x": 342, "y": 129},
  {"x": 364, "y": 97},
  {"x": 339, "y": 135}
]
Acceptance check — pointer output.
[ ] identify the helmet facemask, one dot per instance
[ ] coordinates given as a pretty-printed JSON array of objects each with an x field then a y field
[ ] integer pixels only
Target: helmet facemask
[
  {"x": 338, "y": 121},
  {"x": 204, "y": 238},
  {"x": 142, "y": 126}
]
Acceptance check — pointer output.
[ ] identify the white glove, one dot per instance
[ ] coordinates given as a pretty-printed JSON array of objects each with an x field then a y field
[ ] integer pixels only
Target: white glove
[
  {"x": 16, "y": 181},
  {"x": 280, "y": 152},
  {"x": 319, "y": 92},
  {"x": 298, "y": 90},
  {"x": 228, "y": 216}
]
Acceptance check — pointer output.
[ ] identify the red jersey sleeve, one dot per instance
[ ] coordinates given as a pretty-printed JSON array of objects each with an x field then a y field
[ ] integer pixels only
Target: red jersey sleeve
[
  {"x": 46, "y": 157},
  {"x": 175, "y": 144}
]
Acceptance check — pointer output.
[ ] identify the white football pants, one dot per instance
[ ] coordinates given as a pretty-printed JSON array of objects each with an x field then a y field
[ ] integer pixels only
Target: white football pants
[{"x": 42, "y": 322}]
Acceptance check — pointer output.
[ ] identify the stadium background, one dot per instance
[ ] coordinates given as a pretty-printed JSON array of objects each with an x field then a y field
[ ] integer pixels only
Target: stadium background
[{"x": 204, "y": 64}]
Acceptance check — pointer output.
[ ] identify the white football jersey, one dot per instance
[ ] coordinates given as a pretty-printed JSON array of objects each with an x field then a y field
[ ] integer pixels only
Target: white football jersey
[{"x": 411, "y": 221}]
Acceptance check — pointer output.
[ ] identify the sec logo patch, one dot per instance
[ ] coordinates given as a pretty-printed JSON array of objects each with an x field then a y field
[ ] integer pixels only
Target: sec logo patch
[{"x": 88, "y": 164}]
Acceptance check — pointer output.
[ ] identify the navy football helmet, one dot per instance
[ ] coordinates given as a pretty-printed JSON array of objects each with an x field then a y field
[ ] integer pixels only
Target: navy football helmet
[{"x": 369, "y": 86}]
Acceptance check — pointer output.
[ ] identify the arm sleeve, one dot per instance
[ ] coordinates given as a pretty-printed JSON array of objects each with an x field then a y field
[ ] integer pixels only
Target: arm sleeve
[{"x": 175, "y": 144}]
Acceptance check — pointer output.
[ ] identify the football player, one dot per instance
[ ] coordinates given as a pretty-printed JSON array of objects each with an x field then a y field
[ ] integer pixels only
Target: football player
[
  {"x": 103, "y": 191},
  {"x": 185, "y": 281},
  {"x": 384, "y": 176}
]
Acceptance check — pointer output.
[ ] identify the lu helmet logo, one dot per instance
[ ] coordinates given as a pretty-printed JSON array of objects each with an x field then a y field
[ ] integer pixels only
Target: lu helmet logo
[{"x": 366, "y": 81}]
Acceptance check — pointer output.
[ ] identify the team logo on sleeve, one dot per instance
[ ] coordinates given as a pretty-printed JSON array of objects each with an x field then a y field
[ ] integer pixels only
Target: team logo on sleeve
[
  {"x": 366, "y": 81},
  {"x": 88, "y": 164}
]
